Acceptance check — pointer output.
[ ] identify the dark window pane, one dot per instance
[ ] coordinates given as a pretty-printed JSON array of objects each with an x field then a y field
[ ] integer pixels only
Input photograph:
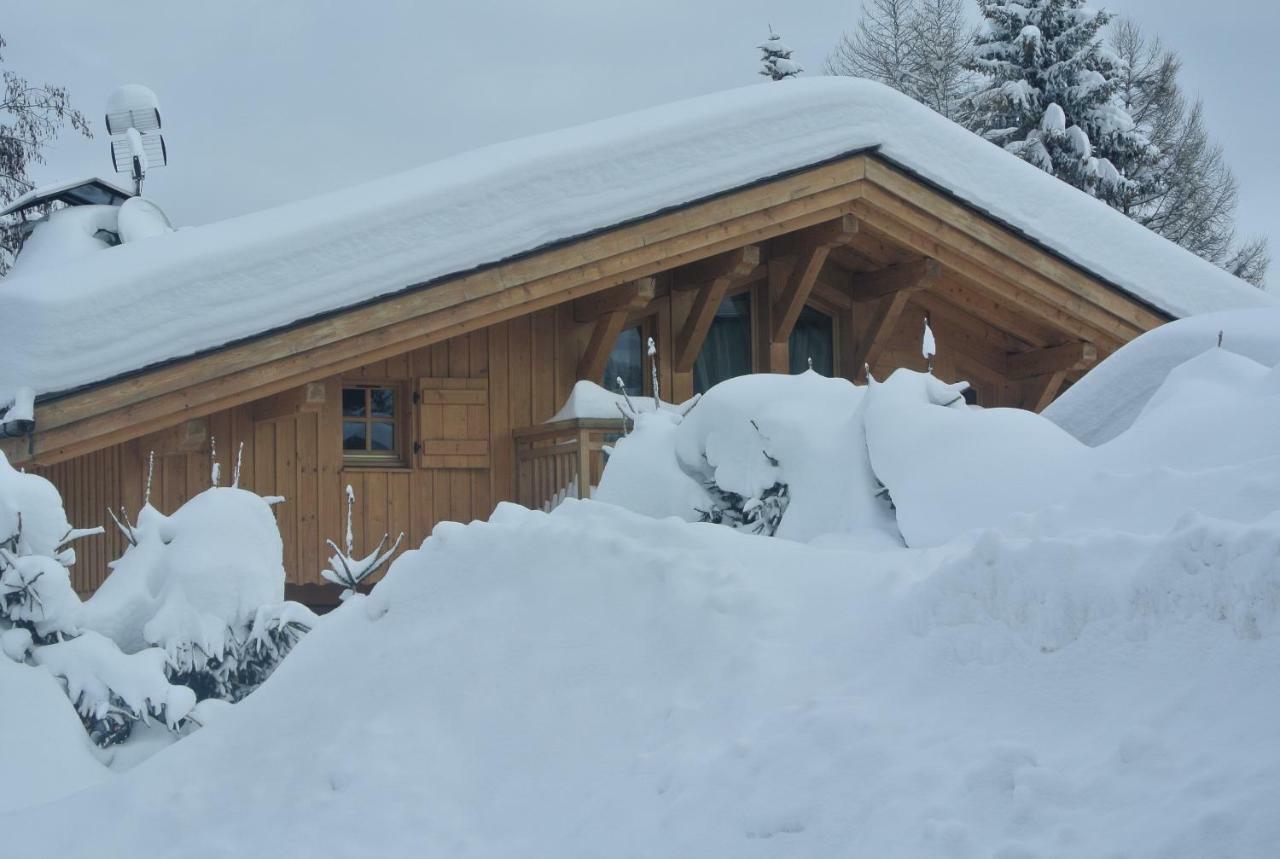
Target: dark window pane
[
  {"x": 353, "y": 435},
  {"x": 813, "y": 339},
  {"x": 383, "y": 402},
  {"x": 626, "y": 362},
  {"x": 384, "y": 436},
  {"x": 353, "y": 402},
  {"x": 726, "y": 353}
]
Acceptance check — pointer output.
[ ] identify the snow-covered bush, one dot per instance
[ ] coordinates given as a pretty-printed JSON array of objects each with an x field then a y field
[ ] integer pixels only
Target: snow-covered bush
[
  {"x": 769, "y": 454},
  {"x": 206, "y": 586},
  {"x": 111, "y": 690},
  {"x": 193, "y": 610},
  {"x": 42, "y": 623}
]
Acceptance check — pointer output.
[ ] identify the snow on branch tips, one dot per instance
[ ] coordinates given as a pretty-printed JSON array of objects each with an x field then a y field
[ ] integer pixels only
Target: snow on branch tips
[{"x": 345, "y": 569}]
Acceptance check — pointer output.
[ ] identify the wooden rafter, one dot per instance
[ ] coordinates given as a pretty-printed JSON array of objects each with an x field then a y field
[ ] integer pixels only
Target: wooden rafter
[
  {"x": 1054, "y": 359},
  {"x": 737, "y": 265},
  {"x": 625, "y": 297},
  {"x": 810, "y": 250},
  {"x": 918, "y": 274}
]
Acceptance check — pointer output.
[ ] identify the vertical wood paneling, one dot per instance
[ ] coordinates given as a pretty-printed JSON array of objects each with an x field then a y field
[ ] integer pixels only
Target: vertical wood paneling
[{"x": 502, "y": 453}]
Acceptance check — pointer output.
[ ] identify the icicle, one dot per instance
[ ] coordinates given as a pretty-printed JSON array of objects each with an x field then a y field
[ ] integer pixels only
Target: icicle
[
  {"x": 151, "y": 467},
  {"x": 235, "y": 474},
  {"x": 215, "y": 470},
  {"x": 351, "y": 501},
  {"x": 653, "y": 367}
]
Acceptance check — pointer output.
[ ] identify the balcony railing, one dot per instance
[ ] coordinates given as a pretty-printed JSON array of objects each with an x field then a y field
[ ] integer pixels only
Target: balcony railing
[{"x": 561, "y": 460}]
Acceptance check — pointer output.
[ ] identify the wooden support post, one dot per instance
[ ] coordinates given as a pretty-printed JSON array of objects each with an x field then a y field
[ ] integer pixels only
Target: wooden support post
[
  {"x": 810, "y": 249},
  {"x": 609, "y": 309},
  {"x": 870, "y": 285},
  {"x": 1043, "y": 362},
  {"x": 603, "y": 335},
  {"x": 1040, "y": 391},
  {"x": 881, "y": 321},
  {"x": 584, "y": 463},
  {"x": 719, "y": 274}
]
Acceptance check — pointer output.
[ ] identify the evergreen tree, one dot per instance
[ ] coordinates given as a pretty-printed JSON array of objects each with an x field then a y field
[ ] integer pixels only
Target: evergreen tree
[
  {"x": 1192, "y": 194},
  {"x": 776, "y": 59},
  {"x": 31, "y": 116},
  {"x": 1051, "y": 96}
]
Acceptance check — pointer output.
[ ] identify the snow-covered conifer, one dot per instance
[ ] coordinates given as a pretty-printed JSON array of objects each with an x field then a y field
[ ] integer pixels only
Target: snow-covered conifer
[
  {"x": 776, "y": 59},
  {"x": 1050, "y": 95}
]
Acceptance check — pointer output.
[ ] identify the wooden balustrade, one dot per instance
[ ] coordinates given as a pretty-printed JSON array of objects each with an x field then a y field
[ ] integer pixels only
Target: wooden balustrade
[{"x": 560, "y": 460}]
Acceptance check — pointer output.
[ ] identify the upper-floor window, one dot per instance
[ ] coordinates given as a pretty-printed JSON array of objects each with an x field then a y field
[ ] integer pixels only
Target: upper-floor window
[
  {"x": 812, "y": 340},
  {"x": 726, "y": 352},
  {"x": 372, "y": 423}
]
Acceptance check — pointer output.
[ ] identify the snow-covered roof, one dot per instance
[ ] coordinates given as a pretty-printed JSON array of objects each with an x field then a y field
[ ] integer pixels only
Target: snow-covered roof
[
  {"x": 91, "y": 191},
  {"x": 127, "y": 307}
]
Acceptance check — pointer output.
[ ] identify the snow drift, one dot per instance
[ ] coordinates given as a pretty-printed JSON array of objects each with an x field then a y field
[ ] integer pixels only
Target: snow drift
[{"x": 1093, "y": 672}]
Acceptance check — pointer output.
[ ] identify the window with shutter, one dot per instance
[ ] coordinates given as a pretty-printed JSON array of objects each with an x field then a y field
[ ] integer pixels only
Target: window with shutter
[{"x": 453, "y": 423}]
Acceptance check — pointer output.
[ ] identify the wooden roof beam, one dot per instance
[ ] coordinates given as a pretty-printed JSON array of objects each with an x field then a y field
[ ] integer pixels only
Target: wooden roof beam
[
  {"x": 919, "y": 274},
  {"x": 810, "y": 249},
  {"x": 626, "y": 297},
  {"x": 735, "y": 266},
  {"x": 1079, "y": 355}
]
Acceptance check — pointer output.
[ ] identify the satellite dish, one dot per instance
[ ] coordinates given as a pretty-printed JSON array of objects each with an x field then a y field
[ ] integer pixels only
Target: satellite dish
[
  {"x": 141, "y": 219},
  {"x": 133, "y": 121}
]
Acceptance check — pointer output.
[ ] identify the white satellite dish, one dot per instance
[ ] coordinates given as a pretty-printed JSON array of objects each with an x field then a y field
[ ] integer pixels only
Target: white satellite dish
[
  {"x": 141, "y": 219},
  {"x": 133, "y": 121}
]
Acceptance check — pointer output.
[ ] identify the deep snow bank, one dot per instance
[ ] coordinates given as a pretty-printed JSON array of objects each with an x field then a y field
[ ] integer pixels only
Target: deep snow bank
[
  {"x": 1110, "y": 397},
  {"x": 595, "y": 682}
]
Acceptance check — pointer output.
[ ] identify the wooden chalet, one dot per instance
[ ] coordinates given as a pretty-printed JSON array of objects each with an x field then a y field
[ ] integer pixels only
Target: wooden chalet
[{"x": 433, "y": 401}]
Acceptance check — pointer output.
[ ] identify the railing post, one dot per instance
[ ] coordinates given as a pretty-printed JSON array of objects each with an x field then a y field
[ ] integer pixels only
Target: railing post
[{"x": 584, "y": 463}]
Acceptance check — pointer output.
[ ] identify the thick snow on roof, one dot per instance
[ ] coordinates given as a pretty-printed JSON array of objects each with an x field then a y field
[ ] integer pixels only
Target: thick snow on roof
[{"x": 133, "y": 305}]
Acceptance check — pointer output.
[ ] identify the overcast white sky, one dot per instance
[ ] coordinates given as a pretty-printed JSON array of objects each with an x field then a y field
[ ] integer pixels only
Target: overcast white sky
[{"x": 266, "y": 102}]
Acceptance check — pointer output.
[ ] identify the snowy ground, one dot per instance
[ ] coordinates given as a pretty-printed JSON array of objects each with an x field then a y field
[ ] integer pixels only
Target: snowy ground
[{"x": 1096, "y": 676}]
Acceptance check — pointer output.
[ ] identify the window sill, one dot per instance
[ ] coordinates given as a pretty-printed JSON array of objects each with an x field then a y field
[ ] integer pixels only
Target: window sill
[{"x": 366, "y": 465}]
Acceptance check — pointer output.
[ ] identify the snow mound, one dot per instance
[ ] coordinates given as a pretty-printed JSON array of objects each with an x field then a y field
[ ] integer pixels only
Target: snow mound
[
  {"x": 193, "y": 578},
  {"x": 595, "y": 678},
  {"x": 1110, "y": 397},
  {"x": 45, "y": 753}
]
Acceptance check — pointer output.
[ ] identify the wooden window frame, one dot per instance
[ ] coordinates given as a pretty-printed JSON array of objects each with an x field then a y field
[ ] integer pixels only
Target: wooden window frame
[{"x": 397, "y": 458}]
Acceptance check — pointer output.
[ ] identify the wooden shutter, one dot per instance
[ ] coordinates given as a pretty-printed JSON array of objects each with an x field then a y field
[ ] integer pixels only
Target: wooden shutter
[{"x": 453, "y": 423}]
